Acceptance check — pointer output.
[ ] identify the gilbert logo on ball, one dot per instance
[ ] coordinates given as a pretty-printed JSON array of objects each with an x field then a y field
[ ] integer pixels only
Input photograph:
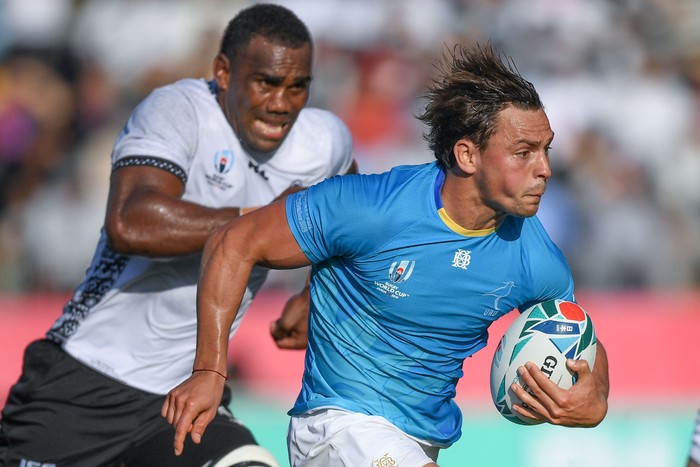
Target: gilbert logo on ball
[{"x": 546, "y": 334}]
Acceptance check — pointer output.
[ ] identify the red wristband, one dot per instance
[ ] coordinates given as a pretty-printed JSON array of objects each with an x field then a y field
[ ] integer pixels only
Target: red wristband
[{"x": 213, "y": 371}]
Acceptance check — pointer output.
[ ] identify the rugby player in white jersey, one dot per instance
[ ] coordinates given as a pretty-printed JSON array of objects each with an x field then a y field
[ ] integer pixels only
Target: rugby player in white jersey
[{"x": 192, "y": 156}]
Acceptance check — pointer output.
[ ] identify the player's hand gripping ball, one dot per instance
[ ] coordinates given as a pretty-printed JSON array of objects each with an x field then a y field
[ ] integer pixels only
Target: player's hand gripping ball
[{"x": 546, "y": 334}]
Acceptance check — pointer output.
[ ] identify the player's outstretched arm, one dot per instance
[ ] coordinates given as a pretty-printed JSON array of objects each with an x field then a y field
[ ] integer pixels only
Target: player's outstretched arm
[
  {"x": 260, "y": 237},
  {"x": 585, "y": 404}
]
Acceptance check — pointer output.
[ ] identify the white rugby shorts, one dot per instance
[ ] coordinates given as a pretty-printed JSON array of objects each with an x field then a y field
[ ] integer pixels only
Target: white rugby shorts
[{"x": 336, "y": 437}]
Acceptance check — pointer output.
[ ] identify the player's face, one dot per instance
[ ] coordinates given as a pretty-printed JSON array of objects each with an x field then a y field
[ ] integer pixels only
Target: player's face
[
  {"x": 264, "y": 91},
  {"x": 514, "y": 167}
]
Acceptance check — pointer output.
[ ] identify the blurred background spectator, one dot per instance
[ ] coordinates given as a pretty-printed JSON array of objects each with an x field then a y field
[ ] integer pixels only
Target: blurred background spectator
[{"x": 620, "y": 80}]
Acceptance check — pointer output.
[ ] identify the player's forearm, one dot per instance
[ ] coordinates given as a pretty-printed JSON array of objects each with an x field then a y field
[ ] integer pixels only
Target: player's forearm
[
  {"x": 598, "y": 406},
  {"x": 222, "y": 284},
  {"x": 600, "y": 372}
]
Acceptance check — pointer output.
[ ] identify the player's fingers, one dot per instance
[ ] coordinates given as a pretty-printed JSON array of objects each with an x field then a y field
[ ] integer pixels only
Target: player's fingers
[
  {"x": 580, "y": 367},
  {"x": 277, "y": 330},
  {"x": 168, "y": 409},
  {"x": 292, "y": 342},
  {"x": 527, "y": 411},
  {"x": 526, "y": 388},
  {"x": 529, "y": 406},
  {"x": 537, "y": 392},
  {"x": 199, "y": 426},
  {"x": 181, "y": 430},
  {"x": 287, "y": 337},
  {"x": 540, "y": 385},
  {"x": 183, "y": 417},
  {"x": 166, "y": 406}
]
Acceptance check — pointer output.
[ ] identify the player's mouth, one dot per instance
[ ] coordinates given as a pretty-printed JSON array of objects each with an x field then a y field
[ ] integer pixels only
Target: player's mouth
[
  {"x": 274, "y": 131},
  {"x": 536, "y": 192},
  {"x": 534, "y": 197}
]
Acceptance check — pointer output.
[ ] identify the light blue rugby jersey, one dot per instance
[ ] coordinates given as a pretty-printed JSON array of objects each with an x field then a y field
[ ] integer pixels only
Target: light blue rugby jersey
[{"x": 401, "y": 295}]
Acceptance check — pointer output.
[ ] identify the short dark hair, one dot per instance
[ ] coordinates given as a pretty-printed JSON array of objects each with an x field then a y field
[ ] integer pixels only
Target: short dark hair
[
  {"x": 463, "y": 101},
  {"x": 273, "y": 22}
]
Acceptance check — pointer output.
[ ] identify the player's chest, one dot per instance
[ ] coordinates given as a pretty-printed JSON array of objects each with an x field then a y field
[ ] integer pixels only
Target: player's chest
[
  {"x": 461, "y": 285},
  {"x": 222, "y": 174}
]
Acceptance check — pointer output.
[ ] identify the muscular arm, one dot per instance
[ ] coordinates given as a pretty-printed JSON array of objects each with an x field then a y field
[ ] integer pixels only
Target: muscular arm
[
  {"x": 261, "y": 237},
  {"x": 147, "y": 216}
]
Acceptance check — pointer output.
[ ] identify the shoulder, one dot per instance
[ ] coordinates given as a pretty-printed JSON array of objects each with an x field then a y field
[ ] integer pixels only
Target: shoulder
[
  {"x": 390, "y": 190},
  {"x": 322, "y": 119},
  {"x": 187, "y": 86},
  {"x": 357, "y": 213},
  {"x": 182, "y": 93},
  {"x": 319, "y": 139},
  {"x": 165, "y": 125},
  {"x": 322, "y": 125}
]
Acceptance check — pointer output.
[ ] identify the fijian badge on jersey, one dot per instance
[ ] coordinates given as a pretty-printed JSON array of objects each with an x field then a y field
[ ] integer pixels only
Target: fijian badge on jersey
[{"x": 400, "y": 271}]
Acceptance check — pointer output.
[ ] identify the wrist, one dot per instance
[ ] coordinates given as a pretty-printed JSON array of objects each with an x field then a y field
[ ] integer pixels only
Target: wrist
[{"x": 223, "y": 375}]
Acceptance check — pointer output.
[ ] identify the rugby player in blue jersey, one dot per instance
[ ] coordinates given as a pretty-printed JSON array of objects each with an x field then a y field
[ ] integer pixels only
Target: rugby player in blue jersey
[{"x": 405, "y": 265}]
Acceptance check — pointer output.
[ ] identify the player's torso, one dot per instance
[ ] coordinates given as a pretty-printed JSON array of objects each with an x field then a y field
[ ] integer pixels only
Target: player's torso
[
  {"x": 429, "y": 278},
  {"x": 393, "y": 323},
  {"x": 455, "y": 286},
  {"x": 134, "y": 318},
  {"x": 442, "y": 289}
]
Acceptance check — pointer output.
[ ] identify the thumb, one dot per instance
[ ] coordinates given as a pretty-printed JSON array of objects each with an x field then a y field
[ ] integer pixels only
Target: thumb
[{"x": 580, "y": 367}]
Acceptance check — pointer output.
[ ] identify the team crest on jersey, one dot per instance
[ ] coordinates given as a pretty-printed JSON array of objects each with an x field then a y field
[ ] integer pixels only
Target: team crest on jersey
[
  {"x": 384, "y": 461},
  {"x": 223, "y": 161},
  {"x": 400, "y": 271},
  {"x": 462, "y": 259}
]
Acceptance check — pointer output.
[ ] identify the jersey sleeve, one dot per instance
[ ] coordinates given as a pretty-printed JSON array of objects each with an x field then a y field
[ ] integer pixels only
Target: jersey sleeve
[
  {"x": 162, "y": 128},
  {"x": 331, "y": 219},
  {"x": 331, "y": 139},
  {"x": 341, "y": 146}
]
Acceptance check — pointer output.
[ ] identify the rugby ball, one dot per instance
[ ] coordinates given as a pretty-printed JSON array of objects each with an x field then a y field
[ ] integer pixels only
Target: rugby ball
[{"x": 547, "y": 334}]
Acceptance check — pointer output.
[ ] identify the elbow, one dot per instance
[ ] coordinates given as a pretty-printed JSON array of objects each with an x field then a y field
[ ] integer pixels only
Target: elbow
[{"x": 120, "y": 236}]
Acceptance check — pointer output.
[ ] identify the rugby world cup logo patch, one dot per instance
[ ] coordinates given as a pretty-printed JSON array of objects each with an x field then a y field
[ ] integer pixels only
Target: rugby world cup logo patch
[
  {"x": 223, "y": 161},
  {"x": 400, "y": 271}
]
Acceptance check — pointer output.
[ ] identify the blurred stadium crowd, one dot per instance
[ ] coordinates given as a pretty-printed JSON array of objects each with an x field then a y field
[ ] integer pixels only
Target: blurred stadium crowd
[{"x": 620, "y": 80}]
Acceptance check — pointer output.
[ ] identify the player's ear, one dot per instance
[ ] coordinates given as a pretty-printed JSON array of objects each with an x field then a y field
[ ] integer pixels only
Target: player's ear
[
  {"x": 222, "y": 71},
  {"x": 465, "y": 152}
]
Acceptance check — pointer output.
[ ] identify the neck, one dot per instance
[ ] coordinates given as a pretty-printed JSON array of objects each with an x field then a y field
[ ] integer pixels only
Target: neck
[{"x": 464, "y": 205}]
